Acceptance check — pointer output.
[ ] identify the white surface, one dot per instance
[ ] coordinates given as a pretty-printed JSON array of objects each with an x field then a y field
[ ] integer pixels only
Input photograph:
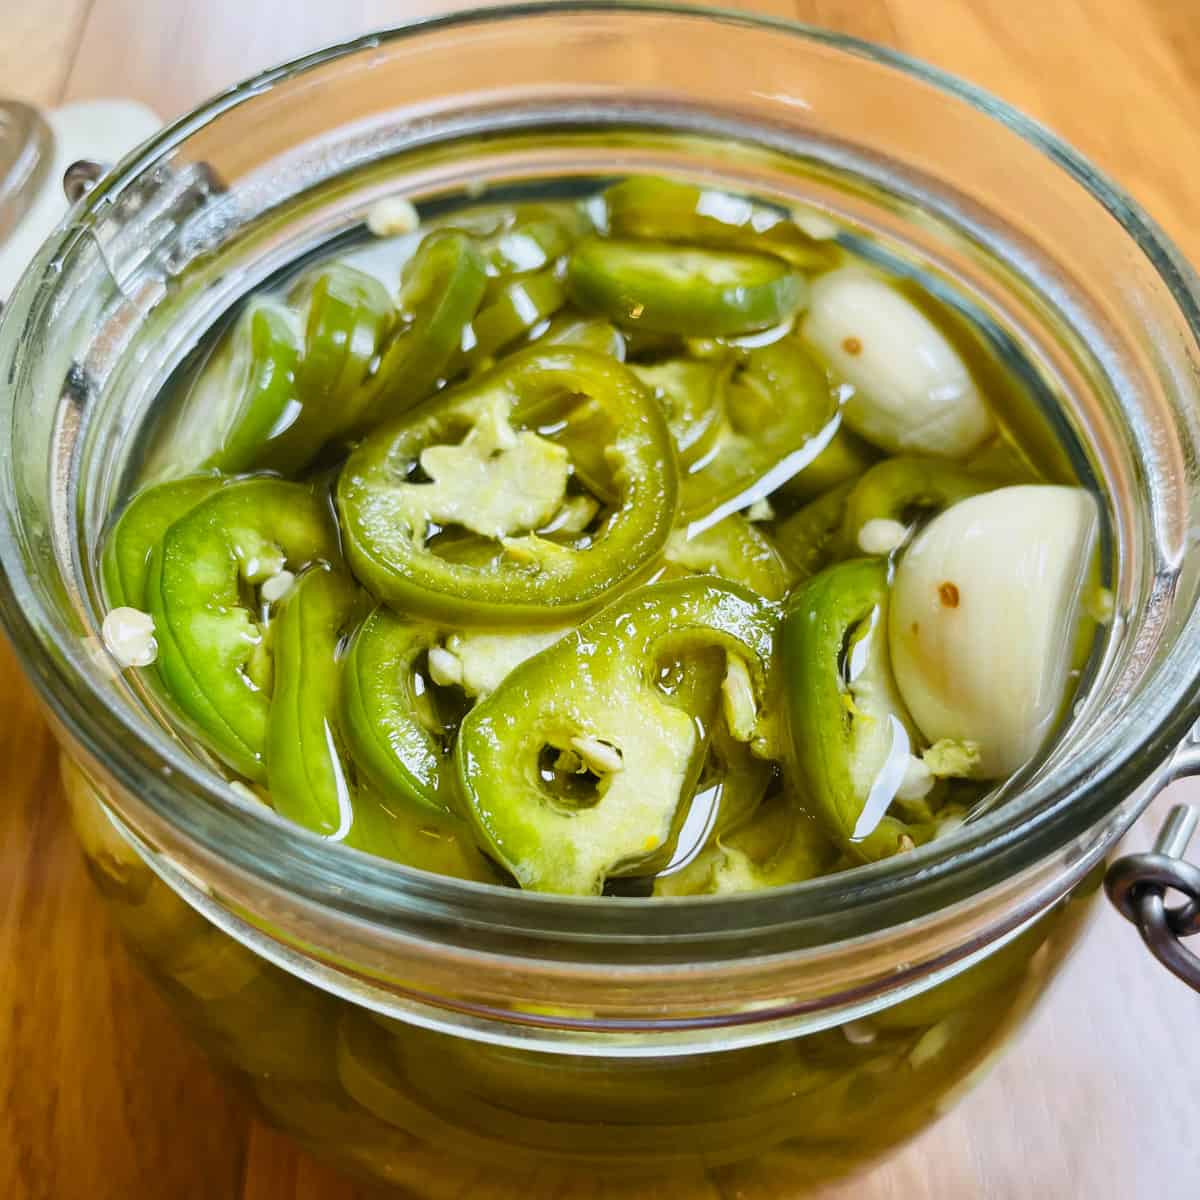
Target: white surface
[{"x": 101, "y": 130}]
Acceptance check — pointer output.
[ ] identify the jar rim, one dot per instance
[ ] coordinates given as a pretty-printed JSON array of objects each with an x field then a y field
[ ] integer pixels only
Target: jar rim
[{"x": 1013, "y": 838}]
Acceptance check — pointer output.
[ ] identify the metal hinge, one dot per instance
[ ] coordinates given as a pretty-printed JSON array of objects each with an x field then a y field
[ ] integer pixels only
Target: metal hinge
[{"x": 1138, "y": 884}]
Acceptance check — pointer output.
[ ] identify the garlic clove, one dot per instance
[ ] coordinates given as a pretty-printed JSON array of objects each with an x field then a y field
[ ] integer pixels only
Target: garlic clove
[
  {"x": 984, "y": 608},
  {"x": 911, "y": 389}
]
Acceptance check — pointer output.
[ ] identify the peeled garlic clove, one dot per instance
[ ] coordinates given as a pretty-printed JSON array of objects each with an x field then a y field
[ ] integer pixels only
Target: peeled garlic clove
[
  {"x": 984, "y": 609},
  {"x": 912, "y": 391}
]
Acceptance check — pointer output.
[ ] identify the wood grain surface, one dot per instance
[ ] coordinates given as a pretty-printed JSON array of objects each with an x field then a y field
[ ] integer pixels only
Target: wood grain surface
[{"x": 101, "y": 1098}]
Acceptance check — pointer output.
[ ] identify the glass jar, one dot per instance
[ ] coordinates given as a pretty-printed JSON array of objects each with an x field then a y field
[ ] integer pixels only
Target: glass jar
[{"x": 446, "y": 1035}]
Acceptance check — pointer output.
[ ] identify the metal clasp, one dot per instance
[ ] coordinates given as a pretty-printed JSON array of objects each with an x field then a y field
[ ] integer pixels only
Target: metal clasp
[
  {"x": 1137, "y": 885},
  {"x": 80, "y": 177}
]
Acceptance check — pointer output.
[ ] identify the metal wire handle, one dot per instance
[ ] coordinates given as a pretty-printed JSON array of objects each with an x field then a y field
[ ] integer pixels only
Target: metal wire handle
[{"x": 1137, "y": 885}]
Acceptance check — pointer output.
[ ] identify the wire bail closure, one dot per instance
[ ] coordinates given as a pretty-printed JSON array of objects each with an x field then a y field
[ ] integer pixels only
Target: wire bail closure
[{"x": 1137, "y": 885}]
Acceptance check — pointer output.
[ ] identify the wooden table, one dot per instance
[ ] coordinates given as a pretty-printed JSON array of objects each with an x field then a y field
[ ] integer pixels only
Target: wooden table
[{"x": 101, "y": 1098}]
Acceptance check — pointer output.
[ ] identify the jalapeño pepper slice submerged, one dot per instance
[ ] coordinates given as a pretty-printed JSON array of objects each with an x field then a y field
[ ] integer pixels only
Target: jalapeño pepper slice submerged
[
  {"x": 525, "y": 237},
  {"x": 268, "y": 392},
  {"x": 730, "y": 791},
  {"x": 125, "y": 562},
  {"x": 845, "y": 458},
  {"x": 389, "y": 717},
  {"x": 744, "y": 780},
  {"x": 286, "y": 378},
  {"x": 440, "y": 292},
  {"x": 305, "y": 771},
  {"x": 534, "y": 240},
  {"x": 588, "y": 333},
  {"x": 691, "y": 395},
  {"x": 207, "y": 638},
  {"x": 424, "y": 838},
  {"x": 683, "y": 289},
  {"x": 809, "y": 538},
  {"x": 349, "y": 317},
  {"x": 780, "y": 413},
  {"x": 597, "y": 696},
  {"x": 851, "y": 738},
  {"x": 780, "y": 843},
  {"x": 504, "y": 485},
  {"x": 902, "y": 488},
  {"x": 648, "y": 206},
  {"x": 516, "y": 308},
  {"x": 245, "y": 393},
  {"x": 895, "y": 488},
  {"x": 732, "y": 549}
]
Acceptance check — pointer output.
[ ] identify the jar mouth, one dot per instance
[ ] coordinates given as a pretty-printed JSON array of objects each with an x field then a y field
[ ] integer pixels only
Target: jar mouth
[{"x": 1053, "y": 815}]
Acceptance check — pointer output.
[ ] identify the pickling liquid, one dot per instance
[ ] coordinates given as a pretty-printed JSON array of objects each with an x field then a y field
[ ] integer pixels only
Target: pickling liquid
[
  {"x": 774, "y": 523},
  {"x": 441, "y": 1116}
]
